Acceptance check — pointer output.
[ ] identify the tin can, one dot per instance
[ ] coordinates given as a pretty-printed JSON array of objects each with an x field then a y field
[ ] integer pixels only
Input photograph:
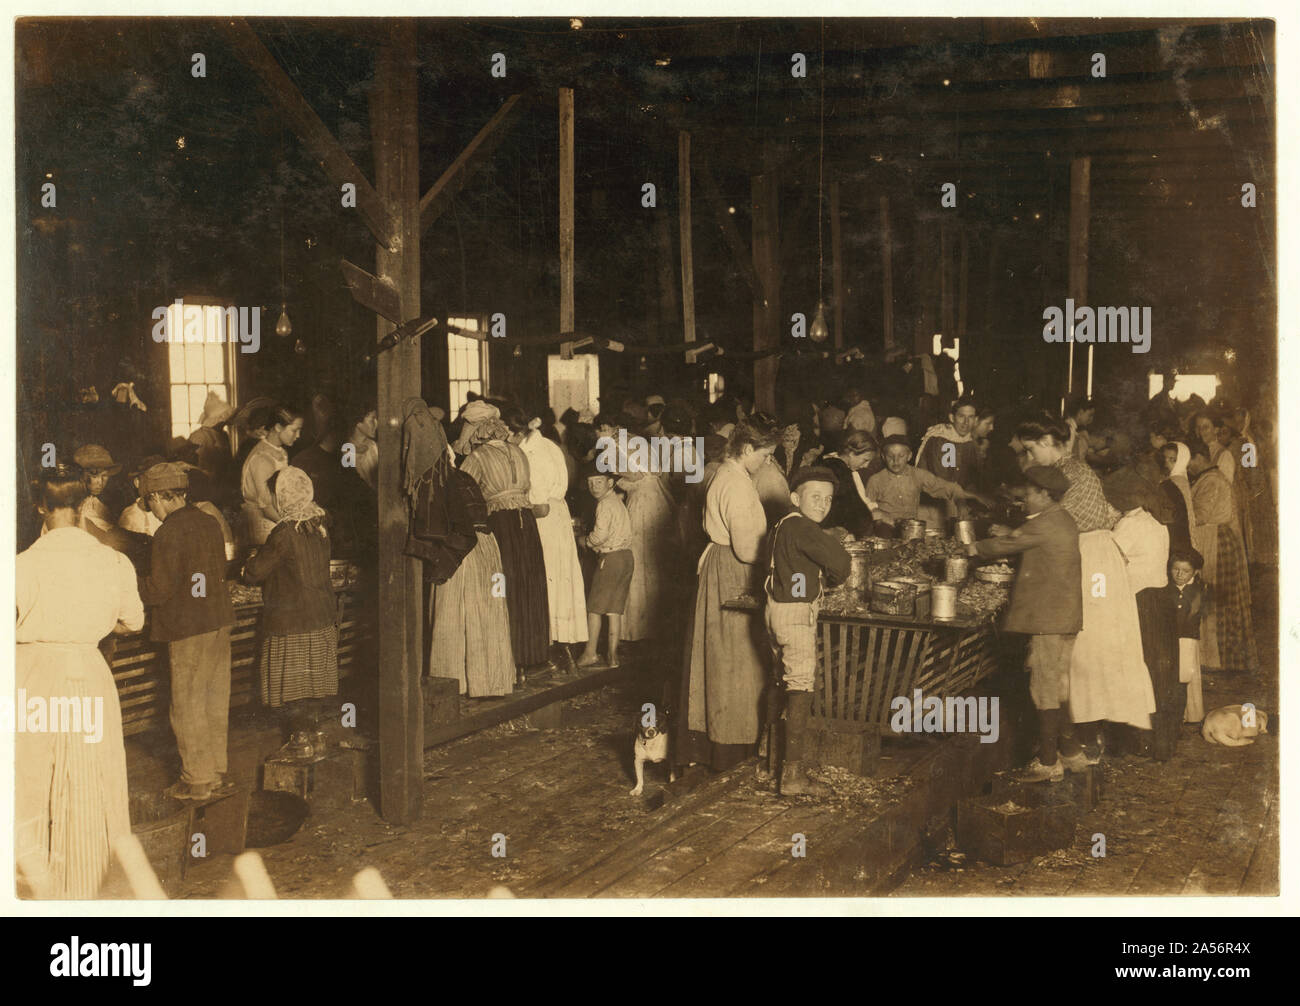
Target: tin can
[
  {"x": 943, "y": 598},
  {"x": 912, "y": 530},
  {"x": 955, "y": 568}
]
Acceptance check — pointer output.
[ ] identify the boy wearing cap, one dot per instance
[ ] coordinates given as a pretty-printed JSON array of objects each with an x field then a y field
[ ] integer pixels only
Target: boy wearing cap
[
  {"x": 1047, "y": 604},
  {"x": 192, "y": 614},
  {"x": 802, "y": 555},
  {"x": 895, "y": 494},
  {"x": 611, "y": 539}
]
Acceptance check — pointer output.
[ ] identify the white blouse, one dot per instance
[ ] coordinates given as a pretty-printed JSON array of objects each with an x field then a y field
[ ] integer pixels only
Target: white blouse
[{"x": 72, "y": 589}]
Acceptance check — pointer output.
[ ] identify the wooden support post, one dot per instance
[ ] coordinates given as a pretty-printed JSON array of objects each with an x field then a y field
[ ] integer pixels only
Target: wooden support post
[
  {"x": 837, "y": 266},
  {"x": 394, "y": 125},
  {"x": 1080, "y": 197},
  {"x": 667, "y": 282},
  {"x": 887, "y": 273},
  {"x": 726, "y": 223},
  {"x": 946, "y": 325},
  {"x": 963, "y": 277},
  {"x": 684, "y": 227},
  {"x": 434, "y": 202},
  {"x": 566, "y": 209},
  {"x": 280, "y": 90},
  {"x": 767, "y": 308}
]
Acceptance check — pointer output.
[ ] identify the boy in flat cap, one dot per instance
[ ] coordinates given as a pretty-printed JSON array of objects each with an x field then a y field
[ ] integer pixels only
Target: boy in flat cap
[
  {"x": 895, "y": 494},
  {"x": 1047, "y": 604},
  {"x": 190, "y": 612},
  {"x": 802, "y": 555},
  {"x": 99, "y": 467}
]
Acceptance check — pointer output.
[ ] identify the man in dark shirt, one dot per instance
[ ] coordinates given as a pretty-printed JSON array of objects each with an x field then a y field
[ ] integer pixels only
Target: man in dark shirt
[
  {"x": 190, "y": 611},
  {"x": 801, "y": 554}
]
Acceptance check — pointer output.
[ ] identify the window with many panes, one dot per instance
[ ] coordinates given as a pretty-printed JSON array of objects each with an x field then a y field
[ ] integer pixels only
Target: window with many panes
[
  {"x": 467, "y": 361},
  {"x": 195, "y": 368}
]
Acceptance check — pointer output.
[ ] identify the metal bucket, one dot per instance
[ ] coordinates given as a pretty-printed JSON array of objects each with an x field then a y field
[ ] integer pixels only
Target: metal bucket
[
  {"x": 955, "y": 568},
  {"x": 912, "y": 530},
  {"x": 943, "y": 600}
]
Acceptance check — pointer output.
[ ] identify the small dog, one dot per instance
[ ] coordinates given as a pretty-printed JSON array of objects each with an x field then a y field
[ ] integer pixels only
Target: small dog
[
  {"x": 651, "y": 745},
  {"x": 1226, "y": 726}
]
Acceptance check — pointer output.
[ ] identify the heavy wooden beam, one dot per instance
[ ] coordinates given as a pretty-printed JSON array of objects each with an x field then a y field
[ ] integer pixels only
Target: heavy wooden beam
[
  {"x": 887, "y": 273},
  {"x": 726, "y": 221},
  {"x": 566, "y": 209},
  {"x": 1077, "y": 283},
  {"x": 764, "y": 212},
  {"x": 281, "y": 92},
  {"x": 837, "y": 266},
  {"x": 684, "y": 229},
  {"x": 434, "y": 202},
  {"x": 395, "y": 130},
  {"x": 379, "y": 295}
]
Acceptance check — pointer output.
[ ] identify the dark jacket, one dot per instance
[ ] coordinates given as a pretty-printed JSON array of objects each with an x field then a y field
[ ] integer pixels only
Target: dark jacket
[
  {"x": 847, "y": 509},
  {"x": 187, "y": 543},
  {"x": 294, "y": 570},
  {"x": 1187, "y": 606},
  {"x": 444, "y": 525},
  {"x": 1047, "y": 597},
  {"x": 799, "y": 546}
]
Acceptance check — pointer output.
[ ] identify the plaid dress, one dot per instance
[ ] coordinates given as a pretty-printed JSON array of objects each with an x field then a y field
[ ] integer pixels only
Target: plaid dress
[{"x": 1228, "y": 631}]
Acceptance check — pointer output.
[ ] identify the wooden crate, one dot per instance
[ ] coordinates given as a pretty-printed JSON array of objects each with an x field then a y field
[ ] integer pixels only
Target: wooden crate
[
  {"x": 1017, "y": 825},
  {"x": 143, "y": 677}
]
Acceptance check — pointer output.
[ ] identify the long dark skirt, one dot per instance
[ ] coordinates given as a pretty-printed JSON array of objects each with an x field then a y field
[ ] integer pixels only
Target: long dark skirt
[
  {"x": 525, "y": 584},
  {"x": 1157, "y": 619}
]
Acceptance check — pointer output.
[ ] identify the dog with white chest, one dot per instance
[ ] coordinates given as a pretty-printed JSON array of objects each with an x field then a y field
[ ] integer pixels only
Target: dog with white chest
[{"x": 650, "y": 745}]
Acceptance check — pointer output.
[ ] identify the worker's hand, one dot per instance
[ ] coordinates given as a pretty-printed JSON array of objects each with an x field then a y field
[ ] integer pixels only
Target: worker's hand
[
  {"x": 971, "y": 550},
  {"x": 541, "y": 509},
  {"x": 985, "y": 501},
  {"x": 999, "y": 531}
]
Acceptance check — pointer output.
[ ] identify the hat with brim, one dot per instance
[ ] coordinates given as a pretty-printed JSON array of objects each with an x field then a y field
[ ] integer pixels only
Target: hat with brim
[
  {"x": 1050, "y": 479},
  {"x": 167, "y": 475},
  {"x": 93, "y": 458},
  {"x": 897, "y": 440},
  {"x": 654, "y": 400}
]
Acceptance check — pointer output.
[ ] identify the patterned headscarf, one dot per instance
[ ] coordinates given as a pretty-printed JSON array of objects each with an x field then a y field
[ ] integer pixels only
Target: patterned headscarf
[{"x": 294, "y": 497}]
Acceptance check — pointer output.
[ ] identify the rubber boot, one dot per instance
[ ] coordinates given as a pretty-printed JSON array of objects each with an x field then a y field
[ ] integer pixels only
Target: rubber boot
[{"x": 794, "y": 780}]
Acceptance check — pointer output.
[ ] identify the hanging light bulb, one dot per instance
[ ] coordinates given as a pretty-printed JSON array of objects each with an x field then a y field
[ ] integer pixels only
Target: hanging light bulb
[
  {"x": 819, "y": 332},
  {"x": 641, "y": 365},
  {"x": 300, "y": 347},
  {"x": 518, "y": 352},
  {"x": 283, "y": 327}
]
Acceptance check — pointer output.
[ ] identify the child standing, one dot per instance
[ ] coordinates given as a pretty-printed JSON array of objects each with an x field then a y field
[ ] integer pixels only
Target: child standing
[
  {"x": 1047, "y": 604},
  {"x": 801, "y": 555},
  {"x": 1188, "y": 596},
  {"x": 192, "y": 614},
  {"x": 895, "y": 494},
  {"x": 299, "y": 610},
  {"x": 611, "y": 539}
]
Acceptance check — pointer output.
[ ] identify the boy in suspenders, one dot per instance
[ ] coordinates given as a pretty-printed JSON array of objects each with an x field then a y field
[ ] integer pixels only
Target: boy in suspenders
[{"x": 802, "y": 554}]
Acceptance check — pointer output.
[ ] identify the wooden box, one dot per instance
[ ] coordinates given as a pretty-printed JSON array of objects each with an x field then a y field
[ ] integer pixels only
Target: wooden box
[
  {"x": 1016, "y": 825},
  {"x": 1085, "y": 788},
  {"x": 222, "y": 822},
  {"x": 441, "y": 700},
  {"x": 846, "y": 744}
]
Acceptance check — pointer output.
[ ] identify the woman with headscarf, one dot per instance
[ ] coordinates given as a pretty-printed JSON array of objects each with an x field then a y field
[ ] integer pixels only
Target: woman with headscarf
[
  {"x": 501, "y": 471},
  {"x": 726, "y": 660},
  {"x": 470, "y": 639},
  {"x": 548, "y": 483},
  {"x": 70, "y": 797},
  {"x": 1227, "y": 630},
  {"x": 299, "y": 610}
]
